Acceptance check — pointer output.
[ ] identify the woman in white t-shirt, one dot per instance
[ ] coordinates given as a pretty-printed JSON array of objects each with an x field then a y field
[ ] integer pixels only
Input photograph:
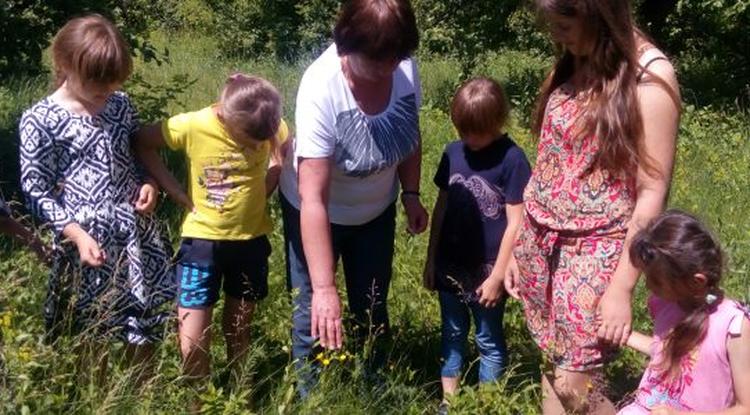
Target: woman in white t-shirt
[{"x": 357, "y": 138}]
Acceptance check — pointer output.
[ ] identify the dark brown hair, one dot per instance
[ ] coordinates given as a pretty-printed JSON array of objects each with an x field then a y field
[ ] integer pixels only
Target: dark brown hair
[
  {"x": 91, "y": 49},
  {"x": 379, "y": 29},
  {"x": 670, "y": 251},
  {"x": 251, "y": 105},
  {"x": 612, "y": 113},
  {"x": 479, "y": 107}
]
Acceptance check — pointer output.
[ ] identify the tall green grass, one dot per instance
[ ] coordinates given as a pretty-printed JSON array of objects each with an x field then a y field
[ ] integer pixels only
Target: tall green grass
[{"x": 711, "y": 179}]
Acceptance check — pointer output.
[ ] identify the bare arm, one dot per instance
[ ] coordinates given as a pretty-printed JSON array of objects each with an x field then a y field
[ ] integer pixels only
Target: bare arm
[
  {"x": 148, "y": 140},
  {"x": 514, "y": 215},
  {"x": 314, "y": 186},
  {"x": 660, "y": 114},
  {"x": 640, "y": 342},
  {"x": 409, "y": 172},
  {"x": 491, "y": 289},
  {"x": 275, "y": 164},
  {"x": 738, "y": 349}
]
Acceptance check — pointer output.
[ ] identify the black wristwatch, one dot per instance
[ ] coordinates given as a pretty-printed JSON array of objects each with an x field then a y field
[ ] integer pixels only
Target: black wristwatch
[{"x": 409, "y": 193}]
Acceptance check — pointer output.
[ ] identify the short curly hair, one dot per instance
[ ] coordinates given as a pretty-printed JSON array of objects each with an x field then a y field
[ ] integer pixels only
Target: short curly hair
[{"x": 378, "y": 29}]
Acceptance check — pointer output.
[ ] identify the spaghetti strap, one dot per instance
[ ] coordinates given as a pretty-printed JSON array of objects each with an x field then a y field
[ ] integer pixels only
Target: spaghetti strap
[{"x": 647, "y": 58}]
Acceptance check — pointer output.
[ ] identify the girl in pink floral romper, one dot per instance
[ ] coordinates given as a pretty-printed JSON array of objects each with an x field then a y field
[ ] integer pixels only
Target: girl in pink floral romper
[{"x": 606, "y": 121}]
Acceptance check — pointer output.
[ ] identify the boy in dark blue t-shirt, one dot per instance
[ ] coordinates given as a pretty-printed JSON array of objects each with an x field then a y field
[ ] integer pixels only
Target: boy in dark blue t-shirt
[{"x": 474, "y": 226}]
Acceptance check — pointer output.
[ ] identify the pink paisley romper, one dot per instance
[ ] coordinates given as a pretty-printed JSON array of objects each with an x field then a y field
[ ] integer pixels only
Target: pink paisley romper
[{"x": 571, "y": 239}]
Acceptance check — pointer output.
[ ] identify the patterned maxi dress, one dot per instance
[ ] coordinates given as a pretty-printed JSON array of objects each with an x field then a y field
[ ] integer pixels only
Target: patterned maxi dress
[
  {"x": 571, "y": 239},
  {"x": 81, "y": 169}
]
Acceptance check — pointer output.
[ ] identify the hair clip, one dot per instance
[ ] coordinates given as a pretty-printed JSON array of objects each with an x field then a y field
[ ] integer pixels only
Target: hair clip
[{"x": 711, "y": 298}]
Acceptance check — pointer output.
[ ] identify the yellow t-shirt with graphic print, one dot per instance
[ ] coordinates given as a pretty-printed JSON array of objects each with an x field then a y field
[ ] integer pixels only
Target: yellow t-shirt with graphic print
[{"x": 226, "y": 180}]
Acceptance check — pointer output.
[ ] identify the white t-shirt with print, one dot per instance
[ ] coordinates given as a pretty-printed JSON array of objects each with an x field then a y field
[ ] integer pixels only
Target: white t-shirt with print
[{"x": 365, "y": 149}]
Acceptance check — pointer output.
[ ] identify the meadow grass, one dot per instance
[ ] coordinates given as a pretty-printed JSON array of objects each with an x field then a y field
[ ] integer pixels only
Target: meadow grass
[{"x": 711, "y": 179}]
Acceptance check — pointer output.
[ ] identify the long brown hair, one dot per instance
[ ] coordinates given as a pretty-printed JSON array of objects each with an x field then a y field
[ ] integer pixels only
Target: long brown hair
[
  {"x": 93, "y": 50},
  {"x": 670, "y": 251},
  {"x": 612, "y": 112}
]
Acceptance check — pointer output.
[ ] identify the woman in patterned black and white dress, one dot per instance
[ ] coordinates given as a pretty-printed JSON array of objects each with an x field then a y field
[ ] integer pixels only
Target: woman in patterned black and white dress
[{"x": 111, "y": 267}]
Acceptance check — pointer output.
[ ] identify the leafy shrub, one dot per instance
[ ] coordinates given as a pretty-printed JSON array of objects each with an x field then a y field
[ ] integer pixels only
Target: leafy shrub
[
  {"x": 285, "y": 29},
  {"x": 709, "y": 40},
  {"x": 27, "y": 26}
]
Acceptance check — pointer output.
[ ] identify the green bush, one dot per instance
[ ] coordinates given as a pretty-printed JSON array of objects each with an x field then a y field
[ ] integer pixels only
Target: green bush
[
  {"x": 709, "y": 40},
  {"x": 27, "y": 27}
]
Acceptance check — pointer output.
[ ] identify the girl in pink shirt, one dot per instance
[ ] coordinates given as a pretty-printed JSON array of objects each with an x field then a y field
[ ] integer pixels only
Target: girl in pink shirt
[{"x": 700, "y": 350}]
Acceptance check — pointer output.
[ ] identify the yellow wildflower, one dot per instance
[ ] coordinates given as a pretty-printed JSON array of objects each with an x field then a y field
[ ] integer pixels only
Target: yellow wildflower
[
  {"x": 326, "y": 362},
  {"x": 6, "y": 319}
]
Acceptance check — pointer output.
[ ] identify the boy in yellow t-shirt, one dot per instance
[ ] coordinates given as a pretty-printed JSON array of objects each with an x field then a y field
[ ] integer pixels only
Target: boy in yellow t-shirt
[{"x": 228, "y": 147}]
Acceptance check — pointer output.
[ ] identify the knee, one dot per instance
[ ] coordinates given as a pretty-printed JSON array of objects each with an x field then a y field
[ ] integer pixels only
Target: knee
[
  {"x": 573, "y": 397},
  {"x": 193, "y": 348}
]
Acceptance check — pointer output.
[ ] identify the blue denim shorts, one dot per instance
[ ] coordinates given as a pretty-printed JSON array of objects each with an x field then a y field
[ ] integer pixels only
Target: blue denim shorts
[{"x": 204, "y": 266}]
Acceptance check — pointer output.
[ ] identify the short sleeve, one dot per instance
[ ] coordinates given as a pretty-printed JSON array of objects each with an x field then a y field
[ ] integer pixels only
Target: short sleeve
[
  {"x": 282, "y": 134},
  {"x": 517, "y": 176},
  {"x": 315, "y": 119},
  {"x": 176, "y": 130},
  {"x": 443, "y": 172},
  {"x": 417, "y": 84},
  {"x": 740, "y": 314}
]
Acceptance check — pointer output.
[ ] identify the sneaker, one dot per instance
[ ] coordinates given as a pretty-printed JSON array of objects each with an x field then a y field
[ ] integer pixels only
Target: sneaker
[{"x": 443, "y": 408}]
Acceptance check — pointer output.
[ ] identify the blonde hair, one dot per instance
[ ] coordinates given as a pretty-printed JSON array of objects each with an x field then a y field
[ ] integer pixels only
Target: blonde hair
[
  {"x": 91, "y": 49},
  {"x": 251, "y": 105}
]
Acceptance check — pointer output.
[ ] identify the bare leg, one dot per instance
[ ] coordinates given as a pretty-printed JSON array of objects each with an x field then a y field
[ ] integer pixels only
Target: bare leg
[
  {"x": 450, "y": 385},
  {"x": 236, "y": 324},
  {"x": 195, "y": 339},
  {"x": 551, "y": 404},
  {"x": 579, "y": 393}
]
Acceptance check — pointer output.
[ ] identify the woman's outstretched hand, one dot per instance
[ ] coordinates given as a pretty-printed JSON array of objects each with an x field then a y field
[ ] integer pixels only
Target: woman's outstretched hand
[{"x": 325, "y": 322}]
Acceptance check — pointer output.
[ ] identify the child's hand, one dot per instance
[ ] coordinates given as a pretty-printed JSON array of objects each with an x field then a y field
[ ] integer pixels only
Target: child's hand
[
  {"x": 89, "y": 250},
  {"x": 490, "y": 291},
  {"x": 511, "y": 278},
  {"x": 147, "y": 197}
]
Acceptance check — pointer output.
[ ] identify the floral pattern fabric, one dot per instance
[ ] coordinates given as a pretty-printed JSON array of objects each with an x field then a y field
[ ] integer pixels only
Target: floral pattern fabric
[{"x": 572, "y": 238}]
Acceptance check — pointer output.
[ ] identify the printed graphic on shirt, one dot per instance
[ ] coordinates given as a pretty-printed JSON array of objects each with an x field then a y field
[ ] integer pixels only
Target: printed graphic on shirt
[
  {"x": 662, "y": 390},
  {"x": 222, "y": 177},
  {"x": 366, "y": 146},
  {"x": 490, "y": 198}
]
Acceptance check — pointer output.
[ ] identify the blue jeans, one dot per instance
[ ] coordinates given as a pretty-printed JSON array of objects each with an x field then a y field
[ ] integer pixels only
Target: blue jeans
[
  {"x": 366, "y": 252},
  {"x": 490, "y": 340}
]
